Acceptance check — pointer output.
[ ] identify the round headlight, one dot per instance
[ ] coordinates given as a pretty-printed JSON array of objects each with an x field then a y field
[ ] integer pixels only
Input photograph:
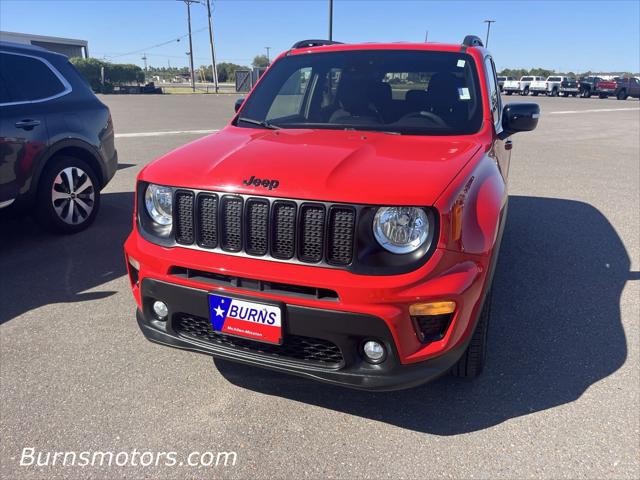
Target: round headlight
[
  {"x": 401, "y": 229},
  {"x": 158, "y": 200}
]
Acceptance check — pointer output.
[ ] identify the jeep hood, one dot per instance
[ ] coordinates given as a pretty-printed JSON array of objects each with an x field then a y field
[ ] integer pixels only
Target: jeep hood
[{"x": 325, "y": 165}]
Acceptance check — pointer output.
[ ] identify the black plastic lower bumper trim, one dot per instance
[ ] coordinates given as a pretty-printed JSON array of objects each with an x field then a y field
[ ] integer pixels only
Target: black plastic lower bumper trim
[{"x": 346, "y": 330}]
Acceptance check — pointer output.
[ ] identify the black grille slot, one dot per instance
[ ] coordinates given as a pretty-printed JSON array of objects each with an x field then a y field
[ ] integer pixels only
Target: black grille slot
[
  {"x": 306, "y": 349},
  {"x": 184, "y": 217},
  {"x": 257, "y": 215},
  {"x": 284, "y": 230},
  {"x": 231, "y": 224},
  {"x": 340, "y": 241},
  {"x": 311, "y": 233},
  {"x": 219, "y": 279},
  {"x": 207, "y": 215}
]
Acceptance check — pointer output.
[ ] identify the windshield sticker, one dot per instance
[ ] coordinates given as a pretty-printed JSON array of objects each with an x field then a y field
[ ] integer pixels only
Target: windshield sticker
[
  {"x": 461, "y": 63},
  {"x": 463, "y": 93}
]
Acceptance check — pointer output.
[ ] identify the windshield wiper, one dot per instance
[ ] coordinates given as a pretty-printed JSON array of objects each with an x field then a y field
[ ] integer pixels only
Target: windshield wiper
[{"x": 261, "y": 123}]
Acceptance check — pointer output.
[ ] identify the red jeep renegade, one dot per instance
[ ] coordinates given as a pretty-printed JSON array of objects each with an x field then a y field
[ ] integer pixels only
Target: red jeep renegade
[{"x": 344, "y": 226}]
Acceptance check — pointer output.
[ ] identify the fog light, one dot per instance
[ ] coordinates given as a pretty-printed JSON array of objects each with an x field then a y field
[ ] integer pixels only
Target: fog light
[
  {"x": 161, "y": 310},
  {"x": 373, "y": 351}
]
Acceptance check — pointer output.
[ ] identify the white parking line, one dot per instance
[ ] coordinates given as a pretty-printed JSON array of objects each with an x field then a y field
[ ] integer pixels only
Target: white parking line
[
  {"x": 594, "y": 110},
  {"x": 162, "y": 134}
]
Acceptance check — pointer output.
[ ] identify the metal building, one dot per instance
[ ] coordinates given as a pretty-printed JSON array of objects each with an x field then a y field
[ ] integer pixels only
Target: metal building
[{"x": 70, "y": 47}]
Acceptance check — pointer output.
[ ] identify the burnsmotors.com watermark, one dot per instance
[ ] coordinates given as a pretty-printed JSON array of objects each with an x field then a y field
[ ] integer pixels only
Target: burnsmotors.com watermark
[{"x": 31, "y": 457}]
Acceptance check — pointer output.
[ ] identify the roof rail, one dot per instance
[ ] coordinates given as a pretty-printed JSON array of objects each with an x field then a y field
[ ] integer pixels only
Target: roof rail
[
  {"x": 312, "y": 43},
  {"x": 472, "y": 41}
]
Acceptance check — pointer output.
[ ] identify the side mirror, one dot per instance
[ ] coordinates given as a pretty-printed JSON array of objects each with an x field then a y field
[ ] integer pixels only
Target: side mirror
[
  {"x": 239, "y": 103},
  {"x": 519, "y": 117}
]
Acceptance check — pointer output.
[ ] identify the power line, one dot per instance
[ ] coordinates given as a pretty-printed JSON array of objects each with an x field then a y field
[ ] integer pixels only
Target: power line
[{"x": 162, "y": 44}]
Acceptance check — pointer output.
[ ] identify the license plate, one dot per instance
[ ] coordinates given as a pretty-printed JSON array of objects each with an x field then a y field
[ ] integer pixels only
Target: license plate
[{"x": 242, "y": 318}]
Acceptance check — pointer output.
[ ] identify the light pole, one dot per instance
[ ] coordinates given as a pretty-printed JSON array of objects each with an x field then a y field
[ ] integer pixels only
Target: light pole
[
  {"x": 214, "y": 69},
  {"x": 190, "y": 53},
  {"x": 488, "y": 22},
  {"x": 268, "y": 59},
  {"x": 330, "y": 20}
]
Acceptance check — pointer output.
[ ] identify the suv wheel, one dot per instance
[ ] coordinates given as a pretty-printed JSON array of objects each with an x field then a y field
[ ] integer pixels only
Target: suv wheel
[
  {"x": 474, "y": 358},
  {"x": 587, "y": 93},
  {"x": 622, "y": 94},
  {"x": 526, "y": 91},
  {"x": 68, "y": 196}
]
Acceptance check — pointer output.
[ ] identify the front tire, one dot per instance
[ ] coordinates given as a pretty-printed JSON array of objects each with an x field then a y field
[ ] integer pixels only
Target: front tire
[
  {"x": 622, "y": 95},
  {"x": 525, "y": 92},
  {"x": 473, "y": 360},
  {"x": 68, "y": 197}
]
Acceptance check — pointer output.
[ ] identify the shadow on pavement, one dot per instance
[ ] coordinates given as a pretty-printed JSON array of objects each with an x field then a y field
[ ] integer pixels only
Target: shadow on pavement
[
  {"x": 555, "y": 331},
  {"x": 38, "y": 268}
]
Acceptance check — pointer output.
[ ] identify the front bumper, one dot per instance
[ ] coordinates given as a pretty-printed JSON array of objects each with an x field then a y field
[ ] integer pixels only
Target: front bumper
[
  {"x": 345, "y": 330},
  {"x": 366, "y": 307}
]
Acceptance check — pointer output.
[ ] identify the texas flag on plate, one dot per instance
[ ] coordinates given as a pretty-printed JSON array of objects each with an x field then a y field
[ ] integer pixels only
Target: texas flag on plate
[{"x": 255, "y": 321}]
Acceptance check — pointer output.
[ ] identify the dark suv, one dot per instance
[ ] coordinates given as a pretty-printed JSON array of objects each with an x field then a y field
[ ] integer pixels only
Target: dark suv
[{"x": 56, "y": 139}]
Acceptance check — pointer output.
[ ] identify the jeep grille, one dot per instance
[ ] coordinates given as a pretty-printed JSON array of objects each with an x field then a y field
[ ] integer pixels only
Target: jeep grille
[{"x": 288, "y": 230}]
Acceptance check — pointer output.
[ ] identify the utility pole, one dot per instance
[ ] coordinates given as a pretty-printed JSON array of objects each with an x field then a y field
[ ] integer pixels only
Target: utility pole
[
  {"x": 144, "y": 58},
  {"x": 330, "y": 20},
  {"x": 488, "y": 22},
  {"x": 268, "y": 59},
  {"x": 214, "y": 68},
  {"x": 426, "y": 36},
  {"x": 190, "y": 52}
]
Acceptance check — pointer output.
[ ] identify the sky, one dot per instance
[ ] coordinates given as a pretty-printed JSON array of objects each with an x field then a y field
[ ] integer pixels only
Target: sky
[{"x": 575, "y": 35}]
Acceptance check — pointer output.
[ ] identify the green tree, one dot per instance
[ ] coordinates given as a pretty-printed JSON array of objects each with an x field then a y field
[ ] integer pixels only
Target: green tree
[
  {"x": 260, "y": 61},
  {"x": 227, "y": 71},
  {"x": 114, "y": 73}
]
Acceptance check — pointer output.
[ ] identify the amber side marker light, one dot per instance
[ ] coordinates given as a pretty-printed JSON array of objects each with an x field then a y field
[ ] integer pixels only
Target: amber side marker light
[{"x": 432, "y": 308}]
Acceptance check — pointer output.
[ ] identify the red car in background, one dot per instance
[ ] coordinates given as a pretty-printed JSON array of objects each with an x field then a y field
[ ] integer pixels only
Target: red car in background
[
  {"x": 605, "y": 88},
  {"x": 344, "y": 226}
]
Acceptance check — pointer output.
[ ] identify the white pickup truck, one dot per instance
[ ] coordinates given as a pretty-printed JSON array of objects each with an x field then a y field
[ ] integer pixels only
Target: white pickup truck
[
  {"x": 550, "y": 86},
  {"x": 521, "y": 86}
]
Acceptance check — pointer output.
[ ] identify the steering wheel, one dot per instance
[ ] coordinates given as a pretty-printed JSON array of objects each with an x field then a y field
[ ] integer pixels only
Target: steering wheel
[{"x": 428, "y": 116}]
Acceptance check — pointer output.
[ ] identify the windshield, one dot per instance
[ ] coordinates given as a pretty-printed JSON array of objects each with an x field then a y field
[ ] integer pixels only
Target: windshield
[{"x": 396, "y": 91}]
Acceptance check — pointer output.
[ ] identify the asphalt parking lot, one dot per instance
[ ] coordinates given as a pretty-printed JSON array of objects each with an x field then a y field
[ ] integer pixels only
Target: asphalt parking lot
[{"x": 560, "y": 397}]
